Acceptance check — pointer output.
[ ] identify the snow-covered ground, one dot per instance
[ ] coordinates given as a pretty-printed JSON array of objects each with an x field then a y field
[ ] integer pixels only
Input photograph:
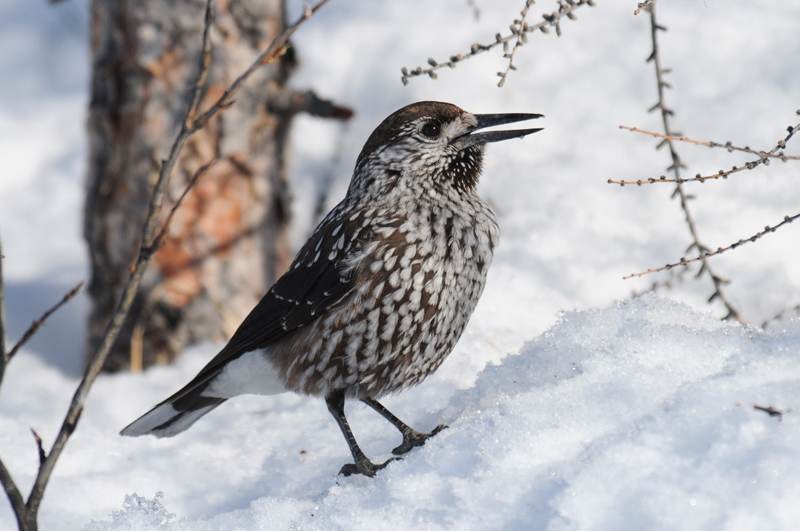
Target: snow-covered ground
[{"x": 567, "y": 409}]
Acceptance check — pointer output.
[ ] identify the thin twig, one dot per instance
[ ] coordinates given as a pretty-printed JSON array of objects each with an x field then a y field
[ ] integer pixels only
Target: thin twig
[
  {"x": 275, "y": 50},
  {"x": 15, "y": 497},
  {"x": 205, "y": 66},
  {"x": 780, "y": 314},
  {"x": 676, "y": 166},
  {"x": 643, "y": 5},
  {"x": 720, "y": 250},
  {"x": 160, "y": 238},
  {"x": 13, "y": 493},
  {"x": 674, "y": 275},
  {"x": 727, "y": 145},
  {"x": 138, "y": 330},
  {"x": 721, "y": 174},
  {"x": 42, "y": 455},
  {"x": 37, "y": 324},
  {"x": 764, "y": 157},
  {"x": 565, "y": 9},
  {"x": 517, "y": 28},
  {"x": 3, "y": 355},
  {"x": 769, "y": 410},
  {"x": 27, "y": 515}
]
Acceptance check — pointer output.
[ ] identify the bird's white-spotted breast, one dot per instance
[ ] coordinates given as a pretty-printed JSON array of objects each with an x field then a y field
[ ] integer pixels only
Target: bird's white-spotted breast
[{"x": 419, "y": 275}]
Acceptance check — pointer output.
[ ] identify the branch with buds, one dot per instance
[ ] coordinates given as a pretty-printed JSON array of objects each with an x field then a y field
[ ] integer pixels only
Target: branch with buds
[
  {"x": 669, "y": 139},
  {"x": 763, "y": 157},
  {"x": 720, "y": 250},
  {"x": 727, "y": 145},
  {"x": 519, "y": 34}
]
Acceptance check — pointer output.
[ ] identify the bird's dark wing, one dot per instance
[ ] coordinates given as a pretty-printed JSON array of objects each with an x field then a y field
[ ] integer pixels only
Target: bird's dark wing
[{"x": 319, "y": 278}]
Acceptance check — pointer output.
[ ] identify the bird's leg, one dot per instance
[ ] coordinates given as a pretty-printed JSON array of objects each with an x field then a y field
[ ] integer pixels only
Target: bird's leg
[
  {"x": 411, "y": 437},
  {"x": 335, "y": 402}
]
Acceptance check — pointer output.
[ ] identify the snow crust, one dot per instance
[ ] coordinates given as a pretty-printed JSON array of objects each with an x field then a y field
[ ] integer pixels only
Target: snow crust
[
  {"x": 608, "y": 416},
  {"x": 639, "y": 416}
]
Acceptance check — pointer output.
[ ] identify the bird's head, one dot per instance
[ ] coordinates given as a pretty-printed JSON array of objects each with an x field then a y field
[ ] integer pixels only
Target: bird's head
[{"x": 432, "y": 141}]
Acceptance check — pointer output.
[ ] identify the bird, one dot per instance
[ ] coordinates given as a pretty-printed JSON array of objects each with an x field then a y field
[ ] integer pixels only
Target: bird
[{"x": 380, "y": 293}]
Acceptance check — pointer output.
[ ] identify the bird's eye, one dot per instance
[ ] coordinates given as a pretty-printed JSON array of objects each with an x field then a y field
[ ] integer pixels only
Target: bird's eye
[{"x": 431, "y": 129}]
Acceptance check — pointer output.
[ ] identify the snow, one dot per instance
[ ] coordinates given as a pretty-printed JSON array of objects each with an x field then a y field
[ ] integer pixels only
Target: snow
[
  {"x": 569, "y": 406},
  {"x": 638, "y": 416}
]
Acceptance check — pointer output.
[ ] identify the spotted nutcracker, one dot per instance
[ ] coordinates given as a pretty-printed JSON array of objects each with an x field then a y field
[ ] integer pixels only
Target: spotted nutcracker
[{"x": 378, "y": 296}]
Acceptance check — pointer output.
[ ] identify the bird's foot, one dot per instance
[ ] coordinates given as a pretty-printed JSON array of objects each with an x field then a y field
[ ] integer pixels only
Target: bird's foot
[
  {"x": 365, "y": 467},
  {"x": 413, "y": 438}
]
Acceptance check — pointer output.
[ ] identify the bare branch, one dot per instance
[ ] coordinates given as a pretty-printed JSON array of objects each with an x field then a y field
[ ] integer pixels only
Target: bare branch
[
  {"x": 3, "y": 355},
  {"x": 764, "y": 158},
  {"x": 205, "y": 66},
  {"x": 15, "y": 497},
  {"x": 13, "y": 493},
  {"x": 39, "y": 322},
  {"x": 676, "y": 167},
  {"x": 720, "y": 250},
  {"x": 644, "y": 5},
  {"x": 673, "y": 276},
  {"x": 160, "y": 238},
  {"x": 565, "y": 9},
  {"x": 42, "y": 455},
  {"x": 727, "y": 145},
  {"x": 275, "y": 50},
  {"x": 780, "y": 314},
  {"x": 290, "y": 101},
  {"x": 721, "y": 174},
  {"x": 147, "y": 248}
]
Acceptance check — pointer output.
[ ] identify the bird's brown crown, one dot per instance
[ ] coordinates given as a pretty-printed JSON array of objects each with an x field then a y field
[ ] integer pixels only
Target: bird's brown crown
[{"x": 393, "y": 125}]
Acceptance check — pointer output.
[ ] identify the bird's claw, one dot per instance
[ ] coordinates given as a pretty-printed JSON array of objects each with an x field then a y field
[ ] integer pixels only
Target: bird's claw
[
  {"x": 413, "y": 438},
  {"x": 365, "y": 467}
]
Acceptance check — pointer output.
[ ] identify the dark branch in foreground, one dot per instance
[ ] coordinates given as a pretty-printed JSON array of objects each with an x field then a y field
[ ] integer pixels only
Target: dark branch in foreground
[
  {"x": 3, "y": 355},
  {"x": 13, "y": 493},
  {"x": 42, "y": 455},
  {"x": 27, "y": 513},
  {"x": 15, "y": 497},
  {"x": 519, "y": 30}
]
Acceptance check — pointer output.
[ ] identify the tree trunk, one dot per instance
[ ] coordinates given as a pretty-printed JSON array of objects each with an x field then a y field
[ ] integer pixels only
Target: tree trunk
[{"x": 228, "y": 241}]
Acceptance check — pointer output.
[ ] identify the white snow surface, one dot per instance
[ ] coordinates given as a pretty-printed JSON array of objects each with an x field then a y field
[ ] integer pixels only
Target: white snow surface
[{"x": 569, "y": 406}]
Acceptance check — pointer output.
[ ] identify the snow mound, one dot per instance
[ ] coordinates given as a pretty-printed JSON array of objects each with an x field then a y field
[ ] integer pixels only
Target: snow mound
[{"x": 640, "y": 416}]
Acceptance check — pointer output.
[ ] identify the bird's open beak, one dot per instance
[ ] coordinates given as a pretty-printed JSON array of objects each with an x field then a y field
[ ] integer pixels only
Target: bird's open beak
[{"x": 488, "y": 120}]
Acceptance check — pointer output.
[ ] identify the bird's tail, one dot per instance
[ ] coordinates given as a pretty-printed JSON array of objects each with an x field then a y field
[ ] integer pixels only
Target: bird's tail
[{"x": 173, "y": 415}]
